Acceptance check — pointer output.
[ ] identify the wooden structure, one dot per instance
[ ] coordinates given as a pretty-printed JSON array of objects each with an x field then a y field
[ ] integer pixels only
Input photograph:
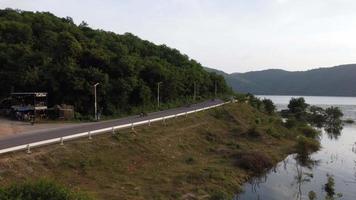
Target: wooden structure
[{"x": 28, "y": 105}]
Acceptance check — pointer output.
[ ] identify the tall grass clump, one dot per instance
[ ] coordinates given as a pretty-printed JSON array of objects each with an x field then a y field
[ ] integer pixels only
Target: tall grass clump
[
  {"x": 255, "y": 161},
  {"x": 42, "y": 189}
]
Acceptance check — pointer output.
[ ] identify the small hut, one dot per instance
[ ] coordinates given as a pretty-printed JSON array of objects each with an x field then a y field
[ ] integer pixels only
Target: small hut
[{"x": 27, "y": 105}]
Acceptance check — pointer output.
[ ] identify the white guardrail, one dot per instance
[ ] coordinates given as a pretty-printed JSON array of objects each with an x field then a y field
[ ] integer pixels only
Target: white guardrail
[{"x": 89, "y": 134}]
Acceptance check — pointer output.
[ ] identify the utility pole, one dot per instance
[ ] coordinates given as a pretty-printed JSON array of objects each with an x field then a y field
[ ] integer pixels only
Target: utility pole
[
  {"x": 158, "y": 84},
  {"x": 95, "y": 103}
]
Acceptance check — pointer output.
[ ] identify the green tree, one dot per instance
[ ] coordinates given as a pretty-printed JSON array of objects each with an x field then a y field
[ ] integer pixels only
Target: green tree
[
  {"x": 269, "y": 106},
  {"x": 297, "y": 107},
  {"x": 42, "y": 52}
]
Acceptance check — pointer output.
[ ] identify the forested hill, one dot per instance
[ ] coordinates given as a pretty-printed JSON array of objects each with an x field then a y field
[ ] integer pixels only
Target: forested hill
[
  {"x": 333, "y": 81},
  {"x": 42, "y": 52}
]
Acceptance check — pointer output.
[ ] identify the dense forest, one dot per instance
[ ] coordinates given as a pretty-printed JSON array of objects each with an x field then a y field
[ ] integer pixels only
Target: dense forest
[
  {"x": 332, "y": 81},
  {"x": 42, "y": 52}
]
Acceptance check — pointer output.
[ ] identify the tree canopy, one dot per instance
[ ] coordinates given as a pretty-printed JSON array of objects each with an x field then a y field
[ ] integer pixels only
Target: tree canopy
[{"x": 42, "y": 52}]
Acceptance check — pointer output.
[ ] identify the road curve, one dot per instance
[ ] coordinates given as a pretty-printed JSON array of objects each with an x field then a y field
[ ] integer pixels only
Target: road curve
[{"x": 62, "y": 132}]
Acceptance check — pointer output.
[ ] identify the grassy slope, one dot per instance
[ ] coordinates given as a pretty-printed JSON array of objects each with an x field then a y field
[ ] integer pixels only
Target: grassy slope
[{"x": 192, "y": 156}]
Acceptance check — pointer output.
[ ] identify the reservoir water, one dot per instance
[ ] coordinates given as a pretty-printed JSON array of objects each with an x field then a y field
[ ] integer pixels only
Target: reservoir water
[{"x": 337, "y": 158}]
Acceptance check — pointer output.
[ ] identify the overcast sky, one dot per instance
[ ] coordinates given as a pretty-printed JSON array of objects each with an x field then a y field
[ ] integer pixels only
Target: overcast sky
[{"x": 230, "y": 35}]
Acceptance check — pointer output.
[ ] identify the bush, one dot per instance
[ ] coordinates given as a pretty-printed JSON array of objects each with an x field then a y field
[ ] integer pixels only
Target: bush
[
  {"x": 307, "y": 145},
  {"x": 258, "y": 121},
  {"x": 349, "y": 121},
  {"x": 254, "y": 132},
  {"x": 309, "y": 132},
  {"x": 329, "y": 186},
  {"x": 219, "y": 195},
  {"x": 257, "y": 162},
  {"x": 269, "y": 106},
  {"x": 190, "y": 160},
  {"x": 273, "y": 133},
  {"x": 290, "y": 123},
  {"x": 297, "y": 107},
  {"x": 312, "y": 195},
  {"x": 43, "y": 189}
]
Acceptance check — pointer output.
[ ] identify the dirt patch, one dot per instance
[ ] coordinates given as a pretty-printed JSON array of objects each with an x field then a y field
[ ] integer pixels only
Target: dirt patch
[{"x": 10, "y": 127}]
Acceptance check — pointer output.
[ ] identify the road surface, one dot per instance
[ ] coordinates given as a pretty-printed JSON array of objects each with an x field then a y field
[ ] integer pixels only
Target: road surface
[{"x": 41, "y": 135}]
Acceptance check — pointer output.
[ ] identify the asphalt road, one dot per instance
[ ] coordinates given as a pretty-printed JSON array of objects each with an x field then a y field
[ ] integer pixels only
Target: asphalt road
[{"x": 61, "y": 132}]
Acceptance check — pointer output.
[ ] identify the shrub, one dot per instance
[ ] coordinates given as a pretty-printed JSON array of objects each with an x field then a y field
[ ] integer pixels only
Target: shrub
[
  {"x": 329, "y": 186},
  {"x": 258, "y": 121},
  {"x": 212, "y": 137},
  {"x": 312, "y": 195},
  {"x": 290, "y": 123},
  {"x": 190, "y": 160},
  {"x": 223, "y": 115},
  {"x": 297, "y": 107},
  {"x": 309, "y": 132},
  {"x": 43, "y": 189},
  {"x": 257, "y": 162},
  {"x": 219, "y": 195},
  {"x": 316, "y": 116},
  {"x": 307, "y": 145},
  {"x": 269, "y": 106},
  {"x": 273, "y": 133},
  {"x": 254, "y": 132},
  {"x": 349, "y": 121}
]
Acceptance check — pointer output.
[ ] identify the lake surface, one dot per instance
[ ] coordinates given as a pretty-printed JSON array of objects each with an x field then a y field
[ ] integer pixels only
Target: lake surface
[{"x": 290, "y": 180}]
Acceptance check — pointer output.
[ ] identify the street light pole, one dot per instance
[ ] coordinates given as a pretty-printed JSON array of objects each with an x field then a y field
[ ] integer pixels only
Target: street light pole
[
  {"x": 158, "y": 84},
  {"x": 95, "y": 102}
]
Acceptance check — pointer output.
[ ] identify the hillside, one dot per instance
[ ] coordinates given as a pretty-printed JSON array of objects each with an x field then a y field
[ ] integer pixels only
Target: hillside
[
  {"x": 42, "y": 52},
  {"x": 207, "y": 155},
  {"x": 333, "y": 81}
]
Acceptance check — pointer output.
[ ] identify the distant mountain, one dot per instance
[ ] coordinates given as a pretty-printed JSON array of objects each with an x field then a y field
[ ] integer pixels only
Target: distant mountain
[{"x": 333, "y": 81}]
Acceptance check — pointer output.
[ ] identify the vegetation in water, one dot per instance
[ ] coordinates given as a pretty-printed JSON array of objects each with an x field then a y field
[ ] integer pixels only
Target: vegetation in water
[
  {"x": 349, "y": 121},
  {"x": 312, "y": 195},
  {"x": 300, "y": 112},
  {"x": 329, "y": 188}
]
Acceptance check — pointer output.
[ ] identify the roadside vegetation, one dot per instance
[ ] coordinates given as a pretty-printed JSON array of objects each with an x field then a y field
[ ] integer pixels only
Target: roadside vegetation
[
  {"x": 45, "y": 53},
  {"x": 206, "y": 155}
]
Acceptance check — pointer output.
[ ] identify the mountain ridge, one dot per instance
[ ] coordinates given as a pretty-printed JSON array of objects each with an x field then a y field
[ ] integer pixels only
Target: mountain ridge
[{"x": 329, "y": 81}]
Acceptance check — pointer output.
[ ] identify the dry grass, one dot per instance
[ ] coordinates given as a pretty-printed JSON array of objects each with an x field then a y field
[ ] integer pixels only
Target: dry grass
[{"x": 189, "y": 157}]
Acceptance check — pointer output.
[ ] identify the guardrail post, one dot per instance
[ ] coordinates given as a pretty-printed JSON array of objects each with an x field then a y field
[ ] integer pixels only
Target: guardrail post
[
  {"x": 28, "y": 149},
  {"x": 149, "y": 122},
  {"x": 175, "y": 116},
  {"x": 62, "y": 142},
  {"x": 164, "y": 121},
  {"x": 132, "y": 127},
  {"x": 113, "y": 130},
  {"x": 186, "y": 114},
  {"x": 89, "y": 134}
]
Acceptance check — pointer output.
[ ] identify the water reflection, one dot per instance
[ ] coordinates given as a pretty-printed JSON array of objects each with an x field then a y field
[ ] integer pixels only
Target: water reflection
[
  {"x": 298, "y": 175},
  {"x": 354, "y": 147},
  {"x": 333, "y": 131},
  {"x": 306, "y": 161}
]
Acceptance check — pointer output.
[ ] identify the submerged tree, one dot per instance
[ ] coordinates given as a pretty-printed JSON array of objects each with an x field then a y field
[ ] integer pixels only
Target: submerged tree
[{"x": 297, "y": 107}]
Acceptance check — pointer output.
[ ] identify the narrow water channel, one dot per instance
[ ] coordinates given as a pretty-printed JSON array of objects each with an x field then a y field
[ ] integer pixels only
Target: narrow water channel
[{"x": 292, "y": 180}]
